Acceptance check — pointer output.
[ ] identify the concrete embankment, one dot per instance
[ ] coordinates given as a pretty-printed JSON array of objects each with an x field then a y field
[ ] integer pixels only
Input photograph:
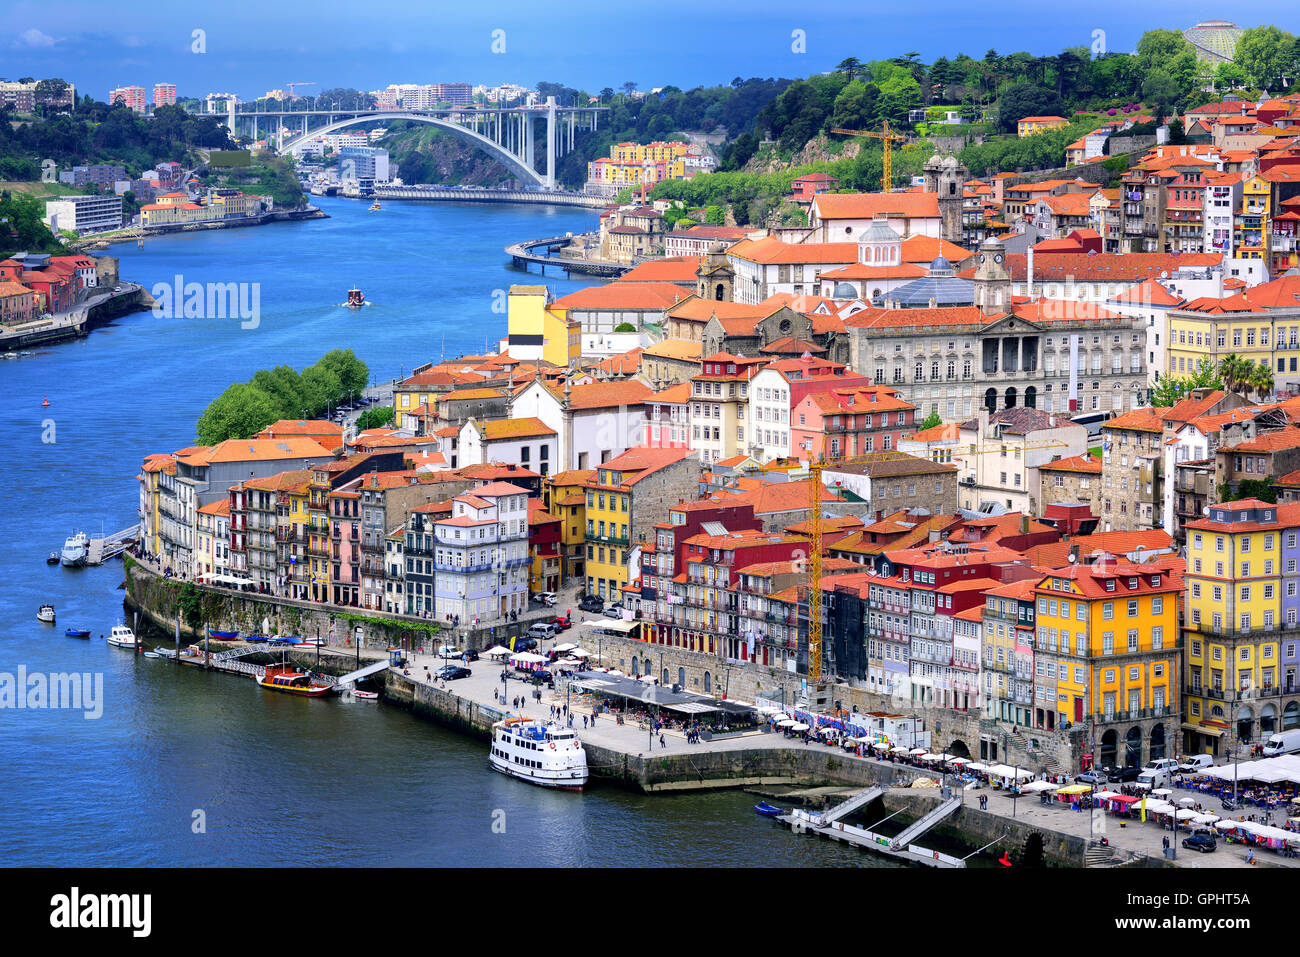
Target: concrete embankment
[
  {"x": 237, "y": 222},
  {"x": 78, "y": 321}
]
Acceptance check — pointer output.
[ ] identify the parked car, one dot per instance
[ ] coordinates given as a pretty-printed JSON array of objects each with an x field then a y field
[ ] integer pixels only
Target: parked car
[
  {"x": 613, "y": 611},
  {"x": 1124, "y": 775},
  {"x": 542, "y": 629},
  {"x": 470, "y": 655},
  {"x": 561, "y": 622},
  {"x": 1196, "y": 762},
  {"x": 1093, "y": 777},
  {"x": 525, "y": 644},
  {"x": 548, "y": 598},
  {"x": 1205, "y": 843},
  {"x": 591, "y": 603},
  {"x": 451, "y": 673},
  {"x": 1284, "y": 742},
  {"x": 449, "y": 651}
]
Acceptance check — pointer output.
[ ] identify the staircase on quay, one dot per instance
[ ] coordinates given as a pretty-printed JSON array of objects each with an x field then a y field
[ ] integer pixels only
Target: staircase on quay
[
  {"x": 918, "y": 828},
  {"x": 861, "y": 799}
]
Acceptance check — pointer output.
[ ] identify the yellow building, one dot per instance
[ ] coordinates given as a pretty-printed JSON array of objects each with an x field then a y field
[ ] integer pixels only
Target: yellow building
[
  {"x": 1040, "y": 124},
  {"x": 1256, "y": 324},
  {"x": 564, "y": 495},
  {"x": 613, "y": 514},
  {"x": 212, "y": 539},
  {"x": 1109, "y": 631},
  {"x": 535, "y": 332},
  {"x": 150, "y": 514},
  {"x": 1237, "y": 606},
  {"x": 1252, "y": 223},
  {"x": 634, "y": 164}
]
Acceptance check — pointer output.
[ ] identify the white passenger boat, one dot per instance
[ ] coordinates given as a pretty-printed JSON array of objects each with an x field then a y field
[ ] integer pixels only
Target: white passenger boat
[
  {"x": 122, "y": 637},
  {"x": 46, "y": 614},
  {"x": 552, "y": 757},
  {"x": 75, "y": 550}
]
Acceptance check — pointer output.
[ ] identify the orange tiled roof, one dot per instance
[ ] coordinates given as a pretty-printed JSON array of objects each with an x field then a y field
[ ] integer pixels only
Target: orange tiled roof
[
  {"x": 1075, "y": 463},
  {"x": 498, "y": 429},
  {"x": 872, "y": 205},
  {"x": 1141, "y": 420}
]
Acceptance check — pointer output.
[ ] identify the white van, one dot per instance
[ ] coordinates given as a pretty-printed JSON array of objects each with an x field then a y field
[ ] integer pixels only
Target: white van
[
  {"x": 1196, "y": 762},
  {"x": 1155, "y": 777},
  {"x": 1284, "y": 742}
]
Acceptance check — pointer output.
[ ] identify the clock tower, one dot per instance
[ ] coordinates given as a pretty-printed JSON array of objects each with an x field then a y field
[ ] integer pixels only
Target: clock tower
[{"x": 992, "y": 279}]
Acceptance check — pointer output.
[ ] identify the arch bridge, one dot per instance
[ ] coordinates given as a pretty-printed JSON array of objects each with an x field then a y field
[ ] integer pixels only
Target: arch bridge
[{"x": 507, "y": 134}]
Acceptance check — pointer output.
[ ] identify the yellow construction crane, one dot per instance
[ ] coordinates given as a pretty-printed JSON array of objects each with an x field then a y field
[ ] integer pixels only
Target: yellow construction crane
[
  {"x": 888, "y": 138},
  {"x": 292, "y": 94},
  {"x": 815, "y": 469}
]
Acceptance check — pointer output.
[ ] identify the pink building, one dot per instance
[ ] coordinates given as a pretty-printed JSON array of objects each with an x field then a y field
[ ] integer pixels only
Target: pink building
[
  {"x": 667, "y": 416},
  {"x": 850, "y": 422},
  {"x": 132, "y": 96},
  {"x": 345, "y": 546},
  {"x": 164, "y": 94}
]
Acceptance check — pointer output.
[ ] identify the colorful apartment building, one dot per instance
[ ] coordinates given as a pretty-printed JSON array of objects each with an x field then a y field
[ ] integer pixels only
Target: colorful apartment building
[
  {"x": 1040, "y": 124},
  {"x": 1109, "y": 630}
]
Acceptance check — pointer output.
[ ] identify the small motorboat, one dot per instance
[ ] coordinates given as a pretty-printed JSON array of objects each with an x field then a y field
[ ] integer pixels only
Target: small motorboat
[
  {"x": 53, "y": 559},
  {"x": 46, "y": 614},
  {"x": 768, "y": 810},
  {"x": 375, "y": 206},
  {"x": 77, "y": 632},
  {"x": 152, "y": 654},
  {"x": 121, "y": 636},
  {"x": 366, "y": 695},
  {"x": 222, "y": 634},
  {"x": 313, "y": 642},
  {"x": 356, "y": 298}
]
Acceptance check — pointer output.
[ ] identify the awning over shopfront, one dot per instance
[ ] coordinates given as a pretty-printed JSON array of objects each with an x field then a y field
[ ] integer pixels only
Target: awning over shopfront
[{"x": 1205, "y": 729}]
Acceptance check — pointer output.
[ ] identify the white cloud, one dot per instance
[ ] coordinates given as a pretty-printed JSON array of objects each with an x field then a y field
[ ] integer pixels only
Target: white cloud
[{"x": 34, "y": 39}]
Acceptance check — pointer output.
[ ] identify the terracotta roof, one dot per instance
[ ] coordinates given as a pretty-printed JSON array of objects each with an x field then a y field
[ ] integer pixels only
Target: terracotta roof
[
  {"x": 1283, "y": 292},
  {"x": 772, "y": 250},
  {"x": 1076, "y": 463},
  {"x": 789, "y": 344},
  {"x": 872, "y": 205},
  {"x": 924, "y": 250},
  {"x": 946, "y": 432},
  {"x": 768, "y": 497},
  {"x": 678, "y": 394},
  {"x": 904, "y": 270},
  {"x": 679, "y": 269},
  {"x": 498, "y": 429},
  {"x": 1189, "y": 408},
  {"x": 571, "y": 477},
  {"x": 258, "y": 450},
  {"x": 1055, "y": 554},
  {"x": 1287, "y": 438},
  {"x": 646, "y": 296},
  {"x": 607, "y": 395},
  {"x": 1141, "y": 420},
  {"x": 1103, "y": 267},
  {"x": 1147, "y": 292},
  {"x": 642, "y": 460},
  {"x": 700, "y": 310},
  {"x": 683, "y": 349}
]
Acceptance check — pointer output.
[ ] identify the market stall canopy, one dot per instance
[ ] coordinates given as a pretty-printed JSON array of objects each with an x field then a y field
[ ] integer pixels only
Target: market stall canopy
[
  {"x": 1186, "y": 802},
  {"x": 959, "y": 761},
  {"x": 1205, "y": 819},
  {"x": 799, "y": 726},
  {"x": 496, "y": 651},
  {"x": 1037, "y": 786},
  {"x": 786, "y": 723},
  {"x": 977, "y": 766},
  {"x": 1075, "y": 789},
  {"x": 1183, "y": 814},
  {"x": 579, "y": 653},
  {"x": 919, "y": 751},
  {"x": 567, "y": 646},
  {"x": 1107, "y": 795},
  {"x": 1154, "y": 806},
  {"x": 1124, "y": 799},
  {"x": 1162, "y": 792},
  {"x": 898, "y": 750},
  {"x": 527, "y": 657}
]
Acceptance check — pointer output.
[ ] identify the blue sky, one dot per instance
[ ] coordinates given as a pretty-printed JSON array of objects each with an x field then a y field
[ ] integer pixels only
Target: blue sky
[{"x": 255, "y": 46}]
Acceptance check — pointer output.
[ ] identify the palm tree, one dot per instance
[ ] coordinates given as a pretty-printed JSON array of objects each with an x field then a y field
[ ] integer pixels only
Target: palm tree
[
  {"x": 1260, "y": 380},
  {"x": 1235, "y": 372}
]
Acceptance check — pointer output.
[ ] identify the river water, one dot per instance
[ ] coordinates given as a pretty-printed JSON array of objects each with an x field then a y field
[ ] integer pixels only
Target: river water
[{"x": 275, "y": 780}]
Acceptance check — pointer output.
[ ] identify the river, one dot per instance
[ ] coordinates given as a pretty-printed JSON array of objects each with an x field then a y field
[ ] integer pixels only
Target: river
[{"x": 189, "y": 768}]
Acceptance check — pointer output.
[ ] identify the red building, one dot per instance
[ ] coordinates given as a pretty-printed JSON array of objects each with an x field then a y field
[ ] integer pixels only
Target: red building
[
  {"x": 803, "y": 189},
  {"x": 543, "y": 548},
  {"x": 850, "y": 422}
]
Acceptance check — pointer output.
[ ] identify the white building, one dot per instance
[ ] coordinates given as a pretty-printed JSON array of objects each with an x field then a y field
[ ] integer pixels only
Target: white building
[
  {"x": 481, "y": 555},
  {"x": 595, "y": 422},
  {"x": 1009, "y": 446},
  {"x": 83, "y": 214},
  {"x": 526, "y": 441}
]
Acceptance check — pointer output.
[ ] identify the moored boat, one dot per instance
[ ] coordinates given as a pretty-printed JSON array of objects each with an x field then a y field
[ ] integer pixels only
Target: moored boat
[
  {"x": 768, "y": 810},
  {"x": 284, "y": 677},
  {"x": 212, "y": 633},
  {"x": 121, "y": 636},
  {"x": 46, "y": 614},
  {"x": 53, "y": 559},
  {"x": 548, "y": 756},
  {"x": 77, "y": 632},
  {"x": 75, "y": 550},
  {"x": 374, "y": 206}
]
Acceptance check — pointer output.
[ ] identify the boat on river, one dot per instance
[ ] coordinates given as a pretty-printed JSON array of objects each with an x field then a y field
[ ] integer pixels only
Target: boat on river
[
  {"x": 375, "y": 207},
  {"x": 75, "y": 550},
  {"x": 121, "y": 636},
  {"x": 77, "y": 633},
  {"x": 46, "y": 614},
  {"x": 284, "y": 677},
  {"x": 545, "y": 755},
  {"x": 356, "y": 298},
  {"x": 768, "y": 810}
]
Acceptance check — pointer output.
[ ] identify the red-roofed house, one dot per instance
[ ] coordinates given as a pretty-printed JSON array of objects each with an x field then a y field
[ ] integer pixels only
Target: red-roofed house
[{"x": 778, "y": 389}]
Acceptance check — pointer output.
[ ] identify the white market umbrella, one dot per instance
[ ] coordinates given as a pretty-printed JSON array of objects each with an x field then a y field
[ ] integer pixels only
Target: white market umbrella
[
  {"x": 1185, "y": 814},
  {"x": 496, "y": 652},
  {"x": 1186, "y": 802},
  {"x": 799, "y": 726},
  {"x": 1162, "y": 791},
  {"x": 959, "y": 761},
  {"x": 899, "y": 750},
  {"x": 918, "y": 751},
  {"x": 786, "y": 723}
]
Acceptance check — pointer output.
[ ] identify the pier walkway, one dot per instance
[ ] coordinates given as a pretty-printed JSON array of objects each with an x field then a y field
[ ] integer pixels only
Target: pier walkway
[
  {"x": 523, "y": 254},
  {"x": 110, "y": 546},
  {"x": 861, "y": 799},
  {"x": 913, "y": 831}
]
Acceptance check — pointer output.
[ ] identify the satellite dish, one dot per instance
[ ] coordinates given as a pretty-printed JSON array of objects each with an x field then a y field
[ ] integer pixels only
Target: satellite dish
[
  {"x": 1073, "y": 559},
  {"x": 1205, "y": 510}
]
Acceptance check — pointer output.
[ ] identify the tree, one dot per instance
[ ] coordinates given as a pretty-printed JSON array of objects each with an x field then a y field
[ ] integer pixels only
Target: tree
[
  {"x": 856, "y": 106},
  {"x": 930, "y": 422},
  {"x": 1235, "y": 371},
  {"x": 849, "y": 66},
  {"x": 1229, "y": 76},
  {"x": 240, "y": 412},
  {"x": 1160, "y": 92},
  {"x": 1033, "y": 854},
  {"x": 376, "y": 418},
  {"x": 1169, "y": 389},
  {"x": 1026, "y": 99},
  {"x": 1259, "y": 379},
  {"x": 714, "y": 215},
  {"x": 1267, "y": 54}
]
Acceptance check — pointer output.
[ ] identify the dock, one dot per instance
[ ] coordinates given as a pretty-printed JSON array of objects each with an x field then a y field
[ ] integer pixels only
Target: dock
[
  {"x": 902, "y": 847},
  {"x": 110, "y": 546}
]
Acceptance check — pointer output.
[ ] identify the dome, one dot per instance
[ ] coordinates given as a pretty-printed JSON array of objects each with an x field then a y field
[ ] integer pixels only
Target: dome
[
  {"x": 950, "y": 162},
  {"x": 939, "y": 266},
  {"x": 845, "y": 290},
  {"x": 879, "y": 232},
  {"x": 935, "y": 160}
]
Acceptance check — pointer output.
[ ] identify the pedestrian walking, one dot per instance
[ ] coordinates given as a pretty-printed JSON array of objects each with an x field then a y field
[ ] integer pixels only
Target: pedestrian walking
[{"x": 661, "y": 740}]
